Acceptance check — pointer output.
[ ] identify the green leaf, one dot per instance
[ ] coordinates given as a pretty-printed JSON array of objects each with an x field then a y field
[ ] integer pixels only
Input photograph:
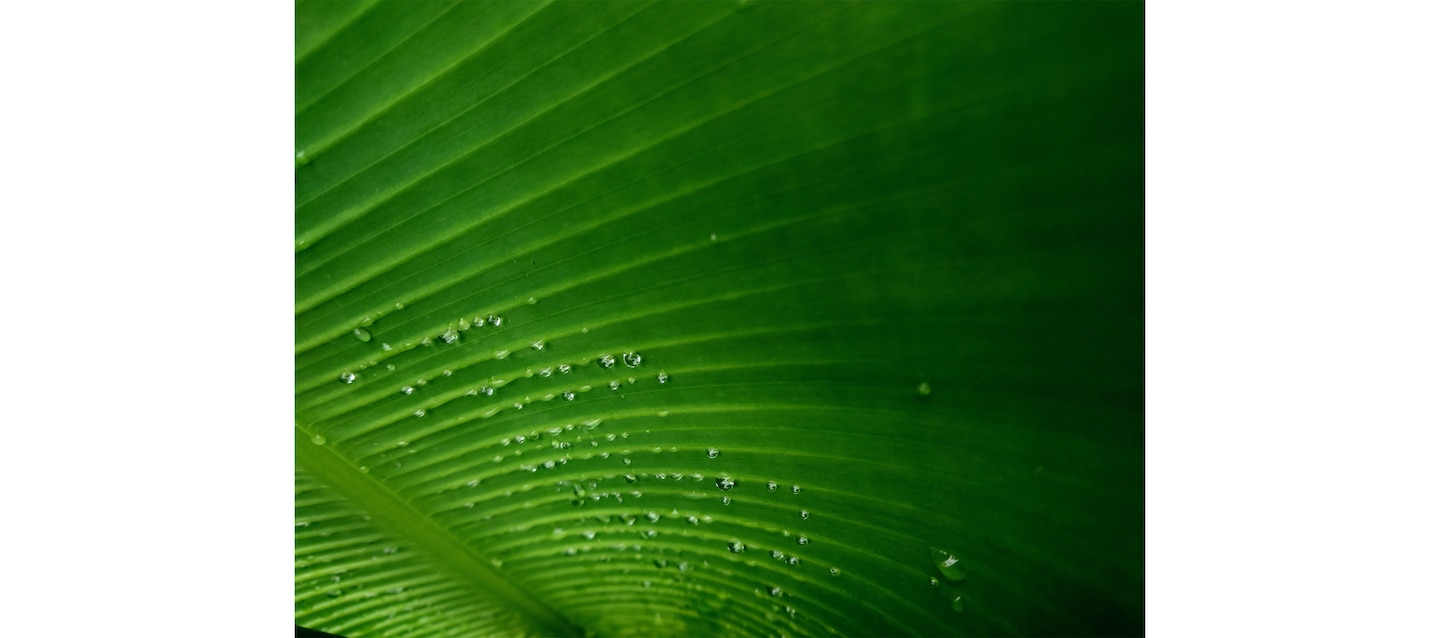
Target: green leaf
[{"x": 719, "y": 318}]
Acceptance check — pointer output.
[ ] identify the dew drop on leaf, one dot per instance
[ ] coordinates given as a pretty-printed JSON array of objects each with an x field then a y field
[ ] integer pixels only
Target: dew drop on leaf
[
  {"x": 318, "y": 439},
  {"x": 347, "y": 377},
  {"x": 724, "y": 483},
  {"x": 632, "y": 359},
  {"x": 712, "y": 452},
  {"x": 362, "y": 334},
  {"x": 948, "y": 564},
  {"x": 802, "y": 541}
]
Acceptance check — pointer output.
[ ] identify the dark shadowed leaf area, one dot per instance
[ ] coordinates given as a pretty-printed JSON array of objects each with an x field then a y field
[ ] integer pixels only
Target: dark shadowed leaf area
[{"x": 719, "y": 318}]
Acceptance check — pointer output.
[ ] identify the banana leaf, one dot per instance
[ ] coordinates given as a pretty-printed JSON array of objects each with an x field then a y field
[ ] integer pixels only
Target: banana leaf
[{"x": 719, "y": 318}]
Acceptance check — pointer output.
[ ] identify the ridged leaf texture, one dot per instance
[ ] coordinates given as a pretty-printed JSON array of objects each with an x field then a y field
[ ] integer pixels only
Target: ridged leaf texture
[{"x": 719, "y": 318}]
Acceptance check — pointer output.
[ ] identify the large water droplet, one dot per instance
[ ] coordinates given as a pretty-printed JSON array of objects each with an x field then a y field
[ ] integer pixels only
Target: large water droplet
[
  {"x": 948, "y": 564},
  {"x": 347, "y": 377},
  {"x": 361, "y": 334},
  {"x": 318, "y": 439},
  {"x": 607, "y": 361},
  {"x": 631, "y": 359}
]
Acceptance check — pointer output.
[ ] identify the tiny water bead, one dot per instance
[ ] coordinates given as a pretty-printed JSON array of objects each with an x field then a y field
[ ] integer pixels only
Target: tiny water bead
[
  {"x": 632, "y": 359},
  {"x": 794, "y": 489},
  {"x": 451, "y": 335},
  {"x": 495, "y": 320},
  {"x": 804, "y": 514},
  {"x": 802, "y": 541},
  {"x": 564, "y": 368},
  {"x": 834, "y": 571},
  {"x": 948, "y": 564},
  {"x": 407, "y": 390},
  {"x": 712, "y": 452},
  {"x": 662, "y": 377},
  {"x": 956, "y": 604},
  {"x": 724, "y": 483},
  {"x": 771, "y": 485},
  {"x": 362, "y": 334},
  {"x": 934, "y": 582},
  {"x": 737, "y": 547},
  {"x": 539, "y": 345},
  {"x": 607, "y": 361},
  {"x": 614, "y": 385},
  {"x": 569, "y": 396},
  {"x": 347, "y": 377},
  {"x": 318, "y": 439}
]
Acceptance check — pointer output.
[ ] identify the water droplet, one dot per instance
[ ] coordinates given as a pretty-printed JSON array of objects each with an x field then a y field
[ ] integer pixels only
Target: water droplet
[
  {"x": 712, "y": 452},
  {"x": 776, "y": 591},
  {"x": 956, "y": 604},
  {"x": 569, "y": 396},
  {"x": 614, "y": 385},
  {"x": 446, "y": 372},
  {"x": 607, "y": 361},
  {"x": 649, "y": 533},
  {"x": 834, "y": 571},
  {"x": 794, "y": 489},
  {"x": 802, "y": 541},
  {"x": 532, "y": 300},
  {"x": 347, "y": 377},
  {"x": 495, "y": 320},
  {"x": 402, "y": 443},
  {"x": 662, "y": 377},
  {"x": 472, "y": 482},
  {"x": 683, "y": 566},
  {"x": 771, "y": 485},
  {"x": 407, "y": 390},
  {"x": 390, "y": 550},
  {"x": 569, "y": 551},
  {"x": 631, "y": 359},
  {"x": 725, "y": 500},
  {"x": 318, "y": 439},
  {"x": 948, "y": 564},
  {"x": 361, "y": 334},
  {"x": 692, "y": 520},
  {"x": 301, "y": 159},
  {"x": 652, "y": 517},
  {"x": 545, "y": 373},
  {"x": 712, "y": 237},
  {"x": 501, "y": 354},
  {"x": 794, "y": 560},
  {"x": 419, "y": 413},
  {"x": 724, "y": 483},
  {"x": 737, "y": 547},
  {"x": 564, "y": 368},
  {"x": 934, "y": 582},
  {"x": 923, "y": 390},
  {"x": 804, "y": 514},
  {"x": 487, "y": 390},
  {"x": 387, "y": 347},
  {"x": 539, "y": 345},
  {"x": 451, "y": 335}
]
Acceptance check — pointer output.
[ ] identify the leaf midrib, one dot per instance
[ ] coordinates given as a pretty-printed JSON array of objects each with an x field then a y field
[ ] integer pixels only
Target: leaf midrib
[{"x": 389, "y": 509}]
